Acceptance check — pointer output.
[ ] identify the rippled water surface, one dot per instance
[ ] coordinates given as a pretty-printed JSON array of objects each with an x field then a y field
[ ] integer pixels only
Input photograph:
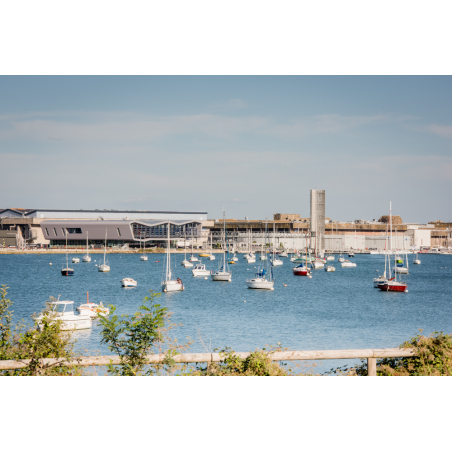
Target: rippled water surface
[{"x": 339, "y": 310}]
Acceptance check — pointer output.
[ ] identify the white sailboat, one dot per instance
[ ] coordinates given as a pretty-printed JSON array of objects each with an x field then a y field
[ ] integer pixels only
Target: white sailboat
[
  {"x": 185, "y": 263},
  {"x": 274, "y": 260},
  {"x": 211, "y": 257},
  {"x": 263, "y": 256},
  {"x": 260, "y": 280},
  {"x": 86, "y": 257},
  {"x": 223, "y": 273},
  {"x": 104, "y": 267},
  {"x": 417, "y": 260},
  {"x": 143, "y": 257},
  {"x": 193, "y": 258},
  {"x": 169, "y": 284}
]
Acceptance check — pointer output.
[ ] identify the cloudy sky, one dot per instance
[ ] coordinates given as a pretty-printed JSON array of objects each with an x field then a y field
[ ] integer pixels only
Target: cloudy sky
[{"x": 253, "y": 145}]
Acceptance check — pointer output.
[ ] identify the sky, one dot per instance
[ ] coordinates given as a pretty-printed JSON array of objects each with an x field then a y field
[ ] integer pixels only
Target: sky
[{"x": 253, "y": 145}]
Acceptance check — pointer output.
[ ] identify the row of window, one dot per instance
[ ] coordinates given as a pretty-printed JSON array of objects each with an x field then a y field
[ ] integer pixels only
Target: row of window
[{"x": 73, "y": 231}]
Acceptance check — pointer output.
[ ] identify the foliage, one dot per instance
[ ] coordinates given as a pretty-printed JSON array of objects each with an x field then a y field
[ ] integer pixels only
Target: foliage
[
  {"x": 30, "y": 344},
  {"x": 433, "y": 357},
  {"x": 133, "y": 337},
  {"x": 258, "y": 363}
]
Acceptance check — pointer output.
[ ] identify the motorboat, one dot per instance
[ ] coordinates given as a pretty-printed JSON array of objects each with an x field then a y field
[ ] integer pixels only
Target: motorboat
[
  {"x": 212, "y": 257},
  {"x": 318, "y": 263},
  {"x": 232, "y": 262},
  {"x": 330, "y": 258},
  {"x": 351, "y": 254},
  {"x": 263, "y": 257},
  {"x": 75, "y": 260},
  {"x": 168, "y": 283},
  {"x": 93, "y": 310},
  {"x": 204, "y": 255},
  {"x": 301, "y": 270},
  {"x": 86, "y": 257},
  {"x": 200, "y": 270},
  {"x": 186, "y": 263},
  {"x": 283, "y": 254},
  {"x": 348, "y": 264},
  {"x": 251, "y": 260},
  {"x": 276, "y": 262},
  {"x": 341, "y": 259},
  {"x": 64, "y": 311},
  {"x": 128, "y": 282},
  {"x": 260, "y": 283},
  {"x": 143, "y": 258},
  {"x": 103, "y": 268},
  {"x": 330, "y": 268}
]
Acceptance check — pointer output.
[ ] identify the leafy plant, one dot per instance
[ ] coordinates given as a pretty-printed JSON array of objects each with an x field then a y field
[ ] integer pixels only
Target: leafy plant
[{"x": 29, "y": 344}]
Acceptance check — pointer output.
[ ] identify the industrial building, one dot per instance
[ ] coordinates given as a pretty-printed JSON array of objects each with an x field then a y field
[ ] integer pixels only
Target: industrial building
[{"x": 46, "y": 227}]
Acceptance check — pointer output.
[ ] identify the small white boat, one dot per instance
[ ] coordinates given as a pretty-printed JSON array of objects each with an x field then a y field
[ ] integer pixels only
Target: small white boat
[
  {"x": 104, "y": 267},
  {"x": 276, "y": 262},
  {"x": 64, "y": 311},
  {"x": 221, "y": 275},
  {"x": 330, "y": 268},
  {"x": 401, "y": 270},
  {"x": 143, "y": 258},
  {"x": 128, "y": 282},
  {"x": 341, "y": 259},
  {"x": 318, "y": 264},
  {"x": 168, "y": 283},
  {"x": 351, "y": 254},
  {"x": 93, "y": 309},
  {"x": 417, "y": 261},
  {"x": 260, "y": 283},
  {"x": 211, "y": 257},
  {"x": 200, "y": 270},
  {"x": 379, "y": 280},
  {"x": 330, "y": 258},
  {"x": 263, "y": 257},
  {"x": 251, "y": 260},
  {"x": 193, "y": 258},
  {"x": 348, "y": 264},
  {"x": 86, "y": 257},
  {"x": 235, "y": 258},
  {"x": 186, "y": 263},
  {"x": 283, "y": 254},
  {"x": 75, "y": 260}
]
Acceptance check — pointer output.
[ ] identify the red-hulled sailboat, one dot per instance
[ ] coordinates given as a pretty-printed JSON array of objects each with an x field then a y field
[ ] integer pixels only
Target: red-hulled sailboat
[
  {"x": 303, "y": 269},
  {"x": 391, "y": 285}
]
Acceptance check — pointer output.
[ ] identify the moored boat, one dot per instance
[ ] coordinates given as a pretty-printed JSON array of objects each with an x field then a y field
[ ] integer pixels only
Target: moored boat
[
  {"x": 128, "y": 282},
  {"x": 301, "y": 270}
]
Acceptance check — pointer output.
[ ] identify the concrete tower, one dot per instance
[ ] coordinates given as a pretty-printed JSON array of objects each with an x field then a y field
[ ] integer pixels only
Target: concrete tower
[{"x": 318, "y": 218}]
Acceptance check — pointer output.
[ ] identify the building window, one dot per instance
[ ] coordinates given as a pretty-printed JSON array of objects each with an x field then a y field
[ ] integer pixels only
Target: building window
[
  {"x": 54, "y": 230},
  {"x": 47, "y": 232},
  {"x": 64, "y": 232},
  {"x": 119, "y": 232},
  {"x": 74, "y": 230}
]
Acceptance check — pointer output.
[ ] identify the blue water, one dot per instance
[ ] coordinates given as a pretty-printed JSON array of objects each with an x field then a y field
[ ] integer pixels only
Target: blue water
[{"x": 340, "y": 310}]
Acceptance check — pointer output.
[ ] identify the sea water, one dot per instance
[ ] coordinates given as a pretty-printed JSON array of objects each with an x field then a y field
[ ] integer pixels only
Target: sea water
[{"x": 331, "y": 310}]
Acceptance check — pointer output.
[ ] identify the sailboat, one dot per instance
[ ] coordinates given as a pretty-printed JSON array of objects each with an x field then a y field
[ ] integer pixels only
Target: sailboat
[
  {"x": 263, "y": 256},
  {"x": 86, "y": 257},
  {"x": 186, "y": 263},
  {"x": 251, "y": 257},
  {"x": 169, "y": 284},
  {"x": 211, "y": 257},
  {"x": 104, "y": 267},
  {"x": 223, "y": 273},
  {"x": 417, "y": 260},
  {"x": 382, "y": 278},
  {"x": 143, "y": 257},
  {"x": 193, "y": 258},
  {"x": 303, "y": 269},
  {"x": 392, "y": 285},
  {"x": 260, "y": 280},
  {"x": 274, "y": 260},
  {"x": 400, "y": 265},
  {"x": 66, "y": 271}
]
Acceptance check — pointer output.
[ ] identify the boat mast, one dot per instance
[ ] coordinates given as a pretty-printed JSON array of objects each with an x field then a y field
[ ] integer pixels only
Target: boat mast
[
  {"x": 67, "y": 263},
  {"x": 168, "y": 265},
  {"x": 87, "y": 251},
  {"x": 390, "y": 225},
  {"x": 105, "y": 247}
]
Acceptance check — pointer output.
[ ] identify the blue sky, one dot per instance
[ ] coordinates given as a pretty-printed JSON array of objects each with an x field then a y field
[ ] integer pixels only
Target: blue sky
[{"x": 254, "y": 145}]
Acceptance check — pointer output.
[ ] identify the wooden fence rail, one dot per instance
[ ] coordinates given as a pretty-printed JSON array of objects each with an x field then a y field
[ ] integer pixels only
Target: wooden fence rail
[{"x": 370, "y": 354}]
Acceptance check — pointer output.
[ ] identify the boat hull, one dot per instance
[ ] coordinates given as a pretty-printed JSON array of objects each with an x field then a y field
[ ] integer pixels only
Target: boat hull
[
  {"x": 301, "y": 271},
  {"x": 221, "y": 276},
  {"x": 260, "y": 283},
  {"x": 393, "y": 287},
  {"x": 143, "y": 258},
  {"x": 86, "y": 259},
  {"x": 401, "y": 270},
  {"x": 201, "y": 272},
  {"x": 172, "y": 286},
  {"x": 67, "y": 272},
  {"x": 103, "y": 268}
]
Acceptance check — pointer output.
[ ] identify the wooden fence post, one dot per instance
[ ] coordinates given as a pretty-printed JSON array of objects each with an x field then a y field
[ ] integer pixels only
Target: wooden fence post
[{"x": 371, "y": 367}]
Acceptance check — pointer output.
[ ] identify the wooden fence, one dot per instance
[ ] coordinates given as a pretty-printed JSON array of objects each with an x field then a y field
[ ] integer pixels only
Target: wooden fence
[{"x": 370, "y": 354}]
